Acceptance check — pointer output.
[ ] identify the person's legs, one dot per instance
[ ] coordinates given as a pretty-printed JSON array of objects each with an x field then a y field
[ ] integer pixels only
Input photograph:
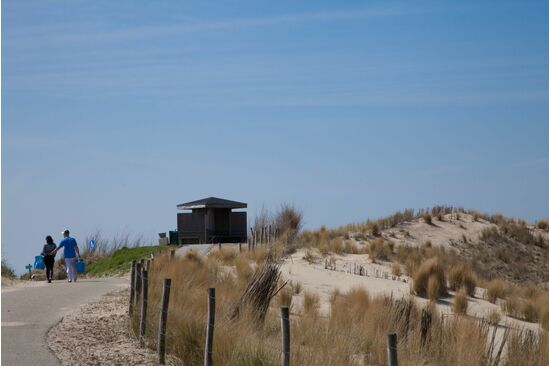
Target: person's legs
[
  {"x": 69, "y": 263},
  {"x": 75, "y": 273},
  {"x": 49, "y": 261}
]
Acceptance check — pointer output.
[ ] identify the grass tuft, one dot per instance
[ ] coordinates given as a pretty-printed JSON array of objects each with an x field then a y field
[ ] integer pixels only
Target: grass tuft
[
  {"x": 430, "y": 270},
  {"x": 460, "y": 305}
]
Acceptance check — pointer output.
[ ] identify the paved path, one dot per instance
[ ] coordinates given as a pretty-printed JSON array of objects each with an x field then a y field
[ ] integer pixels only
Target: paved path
[{"x": 29, "y": 312}]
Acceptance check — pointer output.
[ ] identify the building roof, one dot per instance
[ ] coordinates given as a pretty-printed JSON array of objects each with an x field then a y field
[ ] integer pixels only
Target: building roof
[{"x": 211, "y": 202}]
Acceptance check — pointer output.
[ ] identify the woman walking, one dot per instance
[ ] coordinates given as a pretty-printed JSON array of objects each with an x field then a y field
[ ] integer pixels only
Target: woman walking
[{"x": 49, "y": 257}]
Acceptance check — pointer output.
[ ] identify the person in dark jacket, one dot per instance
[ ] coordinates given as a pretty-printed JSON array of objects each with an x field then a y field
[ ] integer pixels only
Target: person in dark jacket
[{"x": 49, "y": 257}]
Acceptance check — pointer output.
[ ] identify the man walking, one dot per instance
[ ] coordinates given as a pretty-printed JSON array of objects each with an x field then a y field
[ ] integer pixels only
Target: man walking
[{"x": 71, "y": 253}]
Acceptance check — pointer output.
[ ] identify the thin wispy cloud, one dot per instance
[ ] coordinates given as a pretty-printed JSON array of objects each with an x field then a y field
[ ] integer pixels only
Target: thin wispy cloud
[{"x": 55, "y": 35}]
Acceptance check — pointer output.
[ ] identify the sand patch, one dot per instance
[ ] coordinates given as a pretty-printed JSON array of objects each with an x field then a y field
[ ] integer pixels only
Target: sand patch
[{"x": 98, "y": 334}]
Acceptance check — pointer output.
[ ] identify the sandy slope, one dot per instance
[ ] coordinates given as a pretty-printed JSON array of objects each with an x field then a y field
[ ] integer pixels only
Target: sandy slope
[
  {"x": 379, "y": 281},
  {"x": 439, "y": 232}
]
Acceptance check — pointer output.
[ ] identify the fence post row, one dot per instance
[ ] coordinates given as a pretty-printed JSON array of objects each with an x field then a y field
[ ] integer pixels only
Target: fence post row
[
  {"x": 143, "y": 319},
  {"x": 285, "y": 336},
  {"x": 132, "y": 287},
  {"x": 162, "y": 322},
  {"x": 210, "y": 326},
  {"x": 392, "y": 349}
]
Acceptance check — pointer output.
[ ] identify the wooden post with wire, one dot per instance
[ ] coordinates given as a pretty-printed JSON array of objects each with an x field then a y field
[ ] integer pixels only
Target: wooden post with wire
[
  {"x": 285, "y": 336},
  {"x": 392, "y": 349},
  {"x": 210, "y": 326},
  {"x": 161, "y": 346},
  {"x": 137, "y": 283},
  {"x": 132, "y": 288},
  {"x": 143, "y": 318}
]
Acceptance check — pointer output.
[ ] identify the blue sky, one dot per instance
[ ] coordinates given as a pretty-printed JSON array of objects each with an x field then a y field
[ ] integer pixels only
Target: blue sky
[{"x": 114, "y": 112}]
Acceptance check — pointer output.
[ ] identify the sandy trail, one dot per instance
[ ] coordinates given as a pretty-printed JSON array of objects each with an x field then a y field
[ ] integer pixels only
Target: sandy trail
[{"x": 98, "y": 334}]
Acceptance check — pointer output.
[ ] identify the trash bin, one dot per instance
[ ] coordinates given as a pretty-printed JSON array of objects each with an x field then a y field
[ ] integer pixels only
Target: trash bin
[{"x": 173, "y": 236}]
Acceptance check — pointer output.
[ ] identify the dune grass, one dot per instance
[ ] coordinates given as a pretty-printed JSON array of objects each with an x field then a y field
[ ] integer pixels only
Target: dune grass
[
  {"x": 7, "y": 270},
  {"x": 430, "y": 280},
  {"x": 352, "y": 332}
]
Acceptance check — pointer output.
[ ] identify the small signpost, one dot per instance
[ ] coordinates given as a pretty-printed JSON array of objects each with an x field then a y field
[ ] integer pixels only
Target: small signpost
[{"x": 29, "y": 267}]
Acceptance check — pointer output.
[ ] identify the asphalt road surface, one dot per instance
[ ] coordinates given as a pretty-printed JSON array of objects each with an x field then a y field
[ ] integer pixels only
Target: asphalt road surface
[{"x": 29, "y": 312}]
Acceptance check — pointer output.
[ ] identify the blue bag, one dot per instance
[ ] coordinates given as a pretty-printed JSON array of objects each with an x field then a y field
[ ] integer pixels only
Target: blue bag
[
  {"x": 80, "y": 266},
  {"x": 39, "y": 262}
]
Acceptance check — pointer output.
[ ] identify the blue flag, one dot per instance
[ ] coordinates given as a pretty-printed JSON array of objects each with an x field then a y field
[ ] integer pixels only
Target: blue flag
[{"x": 92, "y": 244}]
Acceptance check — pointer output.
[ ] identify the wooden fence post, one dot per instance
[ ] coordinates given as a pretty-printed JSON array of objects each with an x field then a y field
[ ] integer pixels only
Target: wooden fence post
[
  {"x": 137, "y": 283},
  {"x": 143, "y": 319},
  {"x": 172, "y": 253},
  {"x": 210, "y": 326},
  {"x": 285, "y": 336},
  {"x": 261, "y": 235},
  {"x": 162, "y": 322},
  {"x": 240, "y": 248},
  {"x": 132, "y": 288},
  {"x": 392, "y": 349}
]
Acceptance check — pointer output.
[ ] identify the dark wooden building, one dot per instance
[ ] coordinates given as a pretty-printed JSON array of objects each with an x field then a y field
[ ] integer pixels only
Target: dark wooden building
[{"x": 212, "y": 220}]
